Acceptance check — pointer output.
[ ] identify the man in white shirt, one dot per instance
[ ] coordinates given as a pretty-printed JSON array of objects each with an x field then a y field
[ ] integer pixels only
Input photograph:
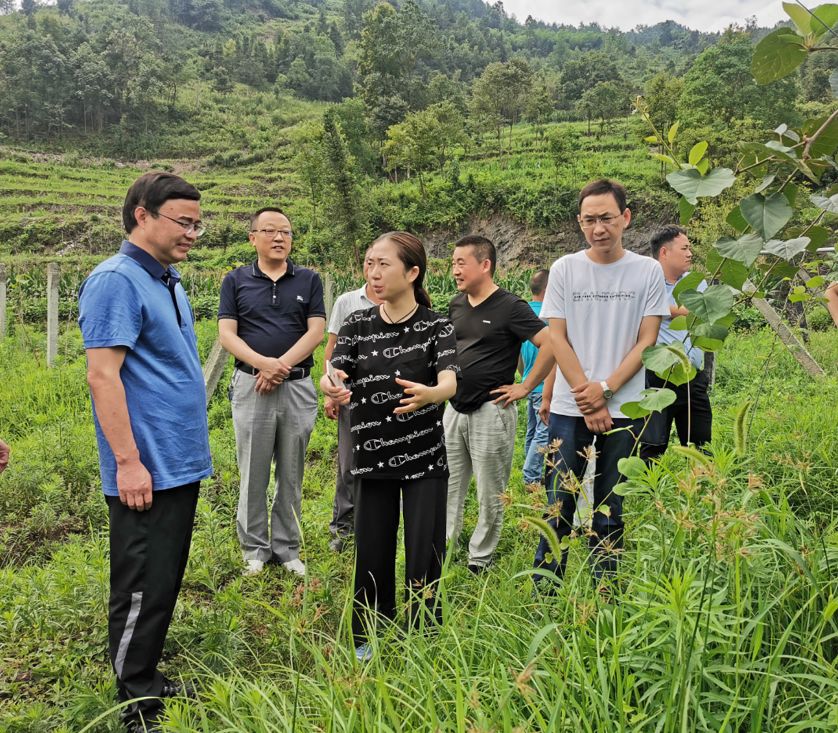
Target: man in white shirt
[
  {"x": 691, "y": 410},
  {"x": 342, "y": 525},
  {"x": 604, "y": 306}
]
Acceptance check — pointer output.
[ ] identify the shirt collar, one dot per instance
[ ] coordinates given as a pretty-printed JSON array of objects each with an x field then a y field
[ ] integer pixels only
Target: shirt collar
[
  {"x": 289, "y": 270},
  {"x": 363, "y": 292},
  {"x": 149, "y": 264}
]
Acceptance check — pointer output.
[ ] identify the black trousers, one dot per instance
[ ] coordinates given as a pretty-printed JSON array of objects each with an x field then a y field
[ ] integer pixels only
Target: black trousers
[
  {"x": 376, "y": 529},
  {"x": 149, "y": 551},
  {"x": 691, "y": 413}
]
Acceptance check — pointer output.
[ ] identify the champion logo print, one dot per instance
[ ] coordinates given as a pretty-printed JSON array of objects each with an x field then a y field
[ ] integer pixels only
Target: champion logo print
[
  {"x": 485, "y": 321},
  {"x": 300, "y": 298}
]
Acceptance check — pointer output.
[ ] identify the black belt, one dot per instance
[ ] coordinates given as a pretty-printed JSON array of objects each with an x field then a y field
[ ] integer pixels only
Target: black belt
[{"x": 295, "y": 373}]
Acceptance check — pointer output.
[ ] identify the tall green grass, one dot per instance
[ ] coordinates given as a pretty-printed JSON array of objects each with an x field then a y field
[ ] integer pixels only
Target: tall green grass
[{"x": 724, "y": 618}]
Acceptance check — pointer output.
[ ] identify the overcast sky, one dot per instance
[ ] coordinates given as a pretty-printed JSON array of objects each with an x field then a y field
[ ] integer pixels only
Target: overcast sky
[{"x": 704, "y": 15}]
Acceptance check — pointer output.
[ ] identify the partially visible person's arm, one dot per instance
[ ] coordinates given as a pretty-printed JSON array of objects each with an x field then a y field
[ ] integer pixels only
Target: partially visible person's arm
[
  {"x": 274, "y": 370},
  {"x": 509, "y": 393},
  {"x": 4, "y": 455},
  {"x": 133, "y": 480},
  {"x": 832, "y": 301},
  {"x": 589, "y": 395},
  {"x": 547, "y": 396},
  {"x": 330, "y": 407}
]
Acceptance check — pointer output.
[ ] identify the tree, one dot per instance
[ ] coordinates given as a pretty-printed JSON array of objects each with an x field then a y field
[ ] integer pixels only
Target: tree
[
  {"x": 498, "y": 96},
  {"x": 540, "y": 104},
  {"x": 605, "y": 100},
  {"x": 719, "y": 87},
  {"x": 662, "y": 93}
]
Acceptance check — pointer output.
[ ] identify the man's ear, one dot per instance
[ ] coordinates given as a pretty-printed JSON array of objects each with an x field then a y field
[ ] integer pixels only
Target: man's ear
[{"x": 627, "y": 216}]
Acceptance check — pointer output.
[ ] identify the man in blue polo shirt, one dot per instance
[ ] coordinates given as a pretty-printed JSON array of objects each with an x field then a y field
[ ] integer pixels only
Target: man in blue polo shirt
[
  {"x": 271, "y": 318},
  {"x": 151, "y": 426}
]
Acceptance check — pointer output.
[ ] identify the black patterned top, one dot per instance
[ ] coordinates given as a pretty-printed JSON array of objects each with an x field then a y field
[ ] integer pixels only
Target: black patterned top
[{"x": 374, "y": 353}]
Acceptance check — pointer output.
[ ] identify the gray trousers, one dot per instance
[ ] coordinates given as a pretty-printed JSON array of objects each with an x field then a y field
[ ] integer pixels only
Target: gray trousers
[
  {"x": 273, "y": 427},
  {"x": 480, "y": 442},
  {"x": 342, "y": 523}
]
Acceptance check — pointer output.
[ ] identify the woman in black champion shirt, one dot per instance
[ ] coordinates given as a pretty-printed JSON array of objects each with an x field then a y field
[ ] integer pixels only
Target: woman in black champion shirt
[{"x": 399, "y": 360}]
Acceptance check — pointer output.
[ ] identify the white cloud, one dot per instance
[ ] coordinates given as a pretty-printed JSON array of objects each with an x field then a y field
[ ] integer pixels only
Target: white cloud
[{"x": 703, "y": 15}]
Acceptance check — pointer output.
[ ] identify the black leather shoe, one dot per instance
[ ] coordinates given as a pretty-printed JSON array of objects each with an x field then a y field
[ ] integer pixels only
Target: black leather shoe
[
  {"x": 176, "y": 688},
  {"x": 476, "y": 569}
]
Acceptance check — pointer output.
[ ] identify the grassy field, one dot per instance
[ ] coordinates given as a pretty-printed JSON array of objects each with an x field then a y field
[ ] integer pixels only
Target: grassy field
[{"x": 726, "y": 618}]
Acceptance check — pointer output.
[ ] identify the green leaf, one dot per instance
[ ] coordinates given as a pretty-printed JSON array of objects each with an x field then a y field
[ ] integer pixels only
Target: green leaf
[
  {"x": 800, "y": 17},
  {"x": 736, "y": 220},
  {"x": 830, "y": 205},
  {"x": 697, "y": 152},
  {"x": 690, "y": 281},
  {"x": 670, "y": 362},
  {"x": 777, "y": 55},
  {"x": 709, "y": 336},
  {"x": 634, "y": 411},
  {"x": 653, "y": 139},
  {"x": 745, "y": 249},
  {"x": 685, "y": 211},
  {"x": 827, "y": 141},
  {"x": 815, "y": 282},
  {"x": 673, "y": 132},
  {"x": 665, "y": 159},
  {"x": 679, "y": 323},
  {"x": 790, "y": 192},
  {"x": 711, "y": 305},
  {"x": 825, "y": 17},
  {"x": 656, "y": 399},
  {"x": 766, "y": 215},
  {"x": 765, "y": 183},
  {"x": 631, "y": 467},
  {"x": 703, "y": 166},
  {"x": 788, "y": 249},
  {"x": 692, "y": 185}
]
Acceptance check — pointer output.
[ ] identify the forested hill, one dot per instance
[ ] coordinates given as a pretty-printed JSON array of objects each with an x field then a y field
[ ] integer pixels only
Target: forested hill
[
  {"x": 116, "y": 76},
  {"x": 359, "y": 116}
]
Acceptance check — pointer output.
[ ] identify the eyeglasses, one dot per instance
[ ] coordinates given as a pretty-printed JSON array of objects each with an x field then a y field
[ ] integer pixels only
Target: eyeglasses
[
  {"x": 188, "y": 226},
  {"x": 271, "y": 233},
  {"x": 589, "y": 222}
]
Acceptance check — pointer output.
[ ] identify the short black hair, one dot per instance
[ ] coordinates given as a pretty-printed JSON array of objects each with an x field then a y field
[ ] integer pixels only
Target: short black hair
[
  {"x": 151, "y": 191},
  {"x": 663, "y": 237},
  {"x": 254, "y": 217},
  {"x": 538, "y": 284},
  {"x": 605, "y": 185},
  {"x": 483, "y": 249}
]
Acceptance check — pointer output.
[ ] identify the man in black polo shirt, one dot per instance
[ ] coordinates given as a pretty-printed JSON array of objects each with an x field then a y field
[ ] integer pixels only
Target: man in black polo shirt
[
  {"x": 271, "y": 319},
  {"x": 490, "y": 324}
]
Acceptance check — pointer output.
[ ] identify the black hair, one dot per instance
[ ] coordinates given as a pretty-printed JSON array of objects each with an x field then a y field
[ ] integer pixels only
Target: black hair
[
  {"x": 605, "y": 185},
  {"x": 412, "y": 254},
  {"x": 538, "y": 284},
  {"x": 663, "y": 237},
  {"x": 254, "y": 217},
  {"x": 483, "y": 249},
  {"x": 151, "y": 191}
]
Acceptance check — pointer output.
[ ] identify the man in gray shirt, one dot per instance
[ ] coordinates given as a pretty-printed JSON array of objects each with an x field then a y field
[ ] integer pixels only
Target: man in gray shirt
[{"x": 341, "y": 525}]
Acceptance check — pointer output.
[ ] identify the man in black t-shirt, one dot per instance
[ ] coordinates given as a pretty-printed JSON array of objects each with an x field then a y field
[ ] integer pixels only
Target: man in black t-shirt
[{"x": 490, "y": 324}]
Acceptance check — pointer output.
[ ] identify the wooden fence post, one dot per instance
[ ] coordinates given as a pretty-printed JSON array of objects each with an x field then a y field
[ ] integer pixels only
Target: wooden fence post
[
  {"x": 214, "y": 368},
  {"x": 2, "y": 301},
  {"x": 53, "y": 277},
  {"x": 328, "y": 295}
]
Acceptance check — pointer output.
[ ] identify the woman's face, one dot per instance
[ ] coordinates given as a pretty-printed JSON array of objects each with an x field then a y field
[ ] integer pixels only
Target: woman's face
[{"x": 387, "y": 274}]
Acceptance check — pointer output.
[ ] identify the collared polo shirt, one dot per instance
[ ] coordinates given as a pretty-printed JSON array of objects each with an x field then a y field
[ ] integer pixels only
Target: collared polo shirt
[
  {"x": 345, "y": 305},
  {"x": 126, "y": 302},
  {"x": 668, "y": 335},
  {"x": 272, "y": 315}
]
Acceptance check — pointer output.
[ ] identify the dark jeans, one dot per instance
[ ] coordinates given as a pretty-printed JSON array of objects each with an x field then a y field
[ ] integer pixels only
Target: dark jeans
[
  {"x": 570, "y": 460},
  {"x": 376, "y": 528},
  {"x": 343, "y": 505},
  {"x": 149, "y": 551},
  {"x": 691, "y": 413}
]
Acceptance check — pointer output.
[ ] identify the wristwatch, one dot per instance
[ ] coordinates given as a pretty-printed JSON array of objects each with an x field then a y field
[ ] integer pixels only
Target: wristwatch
[{"x": 607, "y": 392}]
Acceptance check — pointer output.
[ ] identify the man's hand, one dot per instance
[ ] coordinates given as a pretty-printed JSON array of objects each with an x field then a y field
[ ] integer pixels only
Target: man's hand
[
  {"x": 263, "y": 385},
  {"x": 589, "y": 397},
  {"x": 331, "y": 408},
  {"x": 275, "y": 371},
  {"x": 4, "y": 456},
  {"x": 509, "y": 393},
  {"x": 416, "y": 395},
  {"x": 133, "y": 482},
  {"x": 544, "y": 412},
  {"x": 599, "y": 421}
]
